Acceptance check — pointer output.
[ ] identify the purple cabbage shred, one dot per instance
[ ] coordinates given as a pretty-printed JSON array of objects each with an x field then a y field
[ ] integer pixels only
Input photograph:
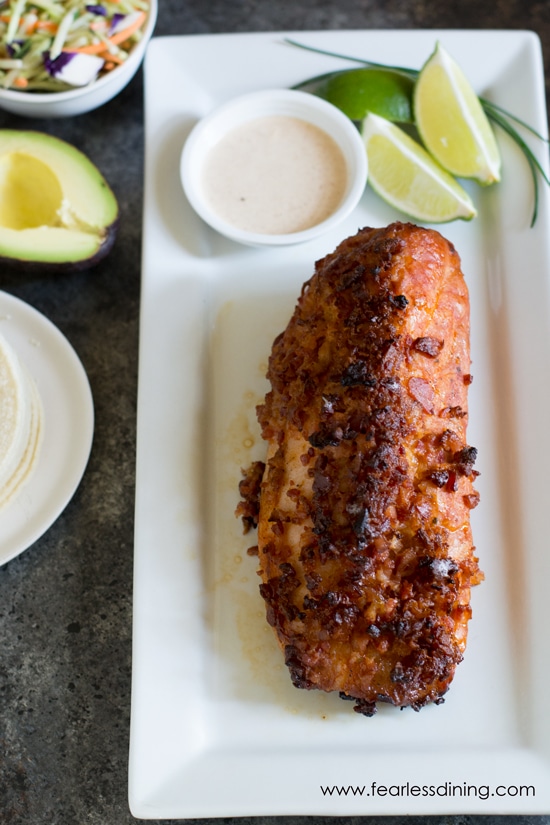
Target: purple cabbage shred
[
  {"x": 13, "y": 47},
  {"x": 116, "y": 20},
  {"x": 55, "y": 66},
  {"x": 97, "y": 9}
]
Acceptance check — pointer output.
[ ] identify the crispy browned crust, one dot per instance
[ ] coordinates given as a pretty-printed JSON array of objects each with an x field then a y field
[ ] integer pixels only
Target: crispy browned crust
[{"x": 364, "y": 537}]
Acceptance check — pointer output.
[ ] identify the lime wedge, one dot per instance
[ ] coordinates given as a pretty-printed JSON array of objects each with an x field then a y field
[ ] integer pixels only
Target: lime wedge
[
  {"x": 358, "y": 91},
  {"x": 451, "y": 121},
  {"x": 405, "y": 176}
]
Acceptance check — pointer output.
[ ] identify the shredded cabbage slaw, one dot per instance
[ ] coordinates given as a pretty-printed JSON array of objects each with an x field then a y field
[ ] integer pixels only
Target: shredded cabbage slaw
[{"x": 44, "y": 43}]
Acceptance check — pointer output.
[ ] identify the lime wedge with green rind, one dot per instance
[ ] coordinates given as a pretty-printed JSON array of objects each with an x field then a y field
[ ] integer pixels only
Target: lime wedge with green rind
[
  {"x": 358, "y": 91},
  {"x": 451, "y": 121},
  {"x": 407, "y": 177}
]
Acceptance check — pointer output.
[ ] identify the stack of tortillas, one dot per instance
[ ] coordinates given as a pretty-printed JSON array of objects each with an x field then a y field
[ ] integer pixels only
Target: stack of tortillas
[{"x": 21, "y": 423}]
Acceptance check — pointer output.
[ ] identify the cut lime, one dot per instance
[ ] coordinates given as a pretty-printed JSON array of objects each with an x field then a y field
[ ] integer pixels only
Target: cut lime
[
  {"x": 358, "y": 91},
  {"x": 451, "y": 121},
  {"x": 405, "y": 176}
]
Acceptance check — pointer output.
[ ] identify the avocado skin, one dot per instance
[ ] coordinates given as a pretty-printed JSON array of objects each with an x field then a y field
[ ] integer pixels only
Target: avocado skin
[{"x": 45, "y": 267}]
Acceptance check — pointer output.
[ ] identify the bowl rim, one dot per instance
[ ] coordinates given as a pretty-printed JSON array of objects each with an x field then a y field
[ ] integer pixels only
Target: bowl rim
[
  {"x": 347, "y": 132},
  {"x": 70, "y": 94}
]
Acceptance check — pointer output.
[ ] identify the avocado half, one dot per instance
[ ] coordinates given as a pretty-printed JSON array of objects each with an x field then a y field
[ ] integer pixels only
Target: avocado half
[{"x": 56, "y": 208}]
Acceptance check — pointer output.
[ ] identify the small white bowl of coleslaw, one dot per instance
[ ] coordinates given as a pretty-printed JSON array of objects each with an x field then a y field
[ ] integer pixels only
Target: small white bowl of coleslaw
[{"x": 67, "y": 57}]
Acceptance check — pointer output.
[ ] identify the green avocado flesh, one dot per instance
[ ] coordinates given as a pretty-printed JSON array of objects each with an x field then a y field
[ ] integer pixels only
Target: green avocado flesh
[{"x": 55, "y": 206}]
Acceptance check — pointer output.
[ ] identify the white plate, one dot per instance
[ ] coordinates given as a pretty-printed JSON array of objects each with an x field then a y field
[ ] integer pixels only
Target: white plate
[
  {"x": 68, "y": 425},
  {"x": 217, "y": 728}
]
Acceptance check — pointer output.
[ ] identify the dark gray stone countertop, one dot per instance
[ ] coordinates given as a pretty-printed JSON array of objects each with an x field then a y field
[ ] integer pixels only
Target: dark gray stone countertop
[{"x": 66, "y": 603}]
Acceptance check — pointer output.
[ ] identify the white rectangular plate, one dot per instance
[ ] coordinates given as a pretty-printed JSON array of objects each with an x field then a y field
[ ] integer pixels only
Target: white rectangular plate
[{"x": 217, "y": 728}]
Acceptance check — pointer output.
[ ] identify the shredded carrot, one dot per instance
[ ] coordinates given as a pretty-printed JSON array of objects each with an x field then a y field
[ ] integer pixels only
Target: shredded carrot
[
  {"x": 123, "y": 35},
  {"x": 21, "y": 82},
  {"x": 119, "y": 37},
  {"x": 47, "y": 26},
  {"x": 93, "y": 48},
  {"x": 112, "y": 60},
  {"x": 29, "y": 23}
]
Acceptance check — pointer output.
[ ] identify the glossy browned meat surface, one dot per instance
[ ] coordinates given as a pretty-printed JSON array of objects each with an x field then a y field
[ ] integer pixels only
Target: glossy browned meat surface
[{"x": 364, "y": 540}]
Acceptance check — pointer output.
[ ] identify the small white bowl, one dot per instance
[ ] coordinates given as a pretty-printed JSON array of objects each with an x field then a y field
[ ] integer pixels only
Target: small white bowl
[
  {"x": 286, "y": 102},
  {"x": 84, "y": 98}
]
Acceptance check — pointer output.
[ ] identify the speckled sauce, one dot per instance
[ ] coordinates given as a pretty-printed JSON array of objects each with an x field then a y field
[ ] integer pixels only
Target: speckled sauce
[{"x": 275, "y": 175}]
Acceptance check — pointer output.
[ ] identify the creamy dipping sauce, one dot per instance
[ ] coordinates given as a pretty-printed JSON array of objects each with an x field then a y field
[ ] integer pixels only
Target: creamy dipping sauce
[{"x": 275, "y": 175}]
